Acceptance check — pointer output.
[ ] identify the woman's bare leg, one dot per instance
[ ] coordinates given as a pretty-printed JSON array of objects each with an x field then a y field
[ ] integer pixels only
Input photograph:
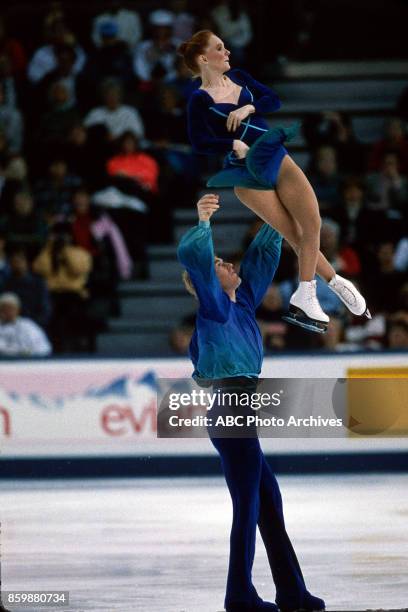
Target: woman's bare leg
[{"x": 268, "y": 206}]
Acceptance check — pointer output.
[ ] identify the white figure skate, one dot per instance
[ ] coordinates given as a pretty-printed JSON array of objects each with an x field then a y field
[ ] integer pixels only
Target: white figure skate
[
  {"x": 305, "y": 310},
  {"x": 349, "y": 295}
]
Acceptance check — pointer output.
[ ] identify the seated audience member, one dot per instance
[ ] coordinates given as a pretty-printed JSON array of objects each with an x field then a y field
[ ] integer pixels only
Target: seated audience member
[
  {"x": 180, "y": 336},
  {"x": 30, "y": 288},
  {"x": 388, "y": 188},
  {"x": 91, "y": 228},
  {"x": 45, "y": 59},
  {"x": 19, "y": 336},
  {"x": 401, "y": 255},
  {"x": 84, "y": 144},
  {"x": 394, "y": 140},
  {"x": 385, "y": 276},
  {"x": 13, "y": 50},
  {"x": 4, "y": 264},
  {"x": 58, "y": 120},
  {"x": 53, "y": 194},
  {"x": 234, "y": 27},
  {"x": 11, "y": 124},
  {"x": 24, "y": 227},
  {"x": 180, "y": 80},
  {"x": 336, "y": 130},
  {"x": 64, "y": 72},
  {"x": 269, "y": 316},
  {"x": 344, "y": 259},
  {"x": 115, "y": 116},
  {"x": 109, "y": 59},
  {"x": 183, "y": 21},
  {"x": 397, "y": 332},
  {"x": 66, "y": 269},
  {"x": 132, "y": 163},
  {"x": 325, "y": 178},
  {"x": 127, "y": 22},
  {"x": 159, "y": 52}
]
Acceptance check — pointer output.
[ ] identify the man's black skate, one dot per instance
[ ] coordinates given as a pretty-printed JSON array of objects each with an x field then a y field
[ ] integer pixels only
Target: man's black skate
[{"x": 296, "y": 316}]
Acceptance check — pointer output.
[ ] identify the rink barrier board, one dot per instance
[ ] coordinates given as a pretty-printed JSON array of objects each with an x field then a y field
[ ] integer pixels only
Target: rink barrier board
[{"x": 198, "y": 466}]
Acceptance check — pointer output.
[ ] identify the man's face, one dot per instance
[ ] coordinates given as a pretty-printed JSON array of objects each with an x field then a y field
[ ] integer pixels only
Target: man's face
[
  {"x": 226, "y": 274},
  {"x": 8, "y": 312}
]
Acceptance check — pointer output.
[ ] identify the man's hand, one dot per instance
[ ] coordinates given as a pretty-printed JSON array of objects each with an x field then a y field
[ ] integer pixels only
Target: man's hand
[
  {"x": 237, "y": 116},
  {"x": 207, "y": 206}
]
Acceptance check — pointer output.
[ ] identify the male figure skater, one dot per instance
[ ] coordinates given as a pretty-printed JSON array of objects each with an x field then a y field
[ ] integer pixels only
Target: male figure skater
[{"x": 227, "y": 349}]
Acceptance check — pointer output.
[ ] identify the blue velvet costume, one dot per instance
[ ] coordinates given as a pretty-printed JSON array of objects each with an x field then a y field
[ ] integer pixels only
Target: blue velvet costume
[
  {"x": 227, "y": 348},
  {"x": 209, "y": 135}
]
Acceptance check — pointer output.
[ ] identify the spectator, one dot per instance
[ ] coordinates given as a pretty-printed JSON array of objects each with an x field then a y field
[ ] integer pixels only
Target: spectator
[
  {"x": 384, "y": 281},
  {"x": 111, "y": 59},
  {"x": 388, "y": 189},
  {"x": 64, "y": 72},
  {"x": 344, "y": 259},
  {"x": 180, "y": 336},
  {"x": 401, "y": 255},
  {"x": 157, "y": 54},
  {"x": 234, "y": 27},
  {"x": 117, "y": 117},
  {"x": 83, "y": 145},
  {"x": 19, "y": 336},
  {"x": 336, "y": 130},
  {"x": 90, "y": 228},
  {"x": 134, "y": 164},
  {"x": 184, "y": 22},
  {"x": 58, "y": 120},
  {"x": 66, "y": 269},
  {"x": 359, "y": 225},
  {"x": 325, "y": 179},
  {"x": 13, "y": 50},
  {"x": 45, "y": 59},
  {"x": 269, "y": 315},
  {"x": 54, "y": 193},
  {"x": 397, "y": 334},
  {"x": 30, "y": 288},
  {"x": 23, "y": 226},
  {"x": 394, "y": 140},
  {"x": 11, "y": 124},
  {"x": 4, "y": 264},
  {"x": 127, "y": 22},
  {"x": 180, "y": 80}
]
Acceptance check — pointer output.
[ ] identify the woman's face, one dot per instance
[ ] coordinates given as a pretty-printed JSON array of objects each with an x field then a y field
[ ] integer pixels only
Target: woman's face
[{"x": 216, "y": 57}]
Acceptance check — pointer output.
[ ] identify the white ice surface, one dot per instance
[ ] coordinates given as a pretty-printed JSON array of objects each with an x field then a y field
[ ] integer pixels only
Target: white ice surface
[{"x": 162, "y": 545}]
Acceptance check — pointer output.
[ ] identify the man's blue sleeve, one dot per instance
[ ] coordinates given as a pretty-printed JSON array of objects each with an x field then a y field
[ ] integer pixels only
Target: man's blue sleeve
[
  {"x": 196, "y": 253},
  {"x": 259, "y": 265}
]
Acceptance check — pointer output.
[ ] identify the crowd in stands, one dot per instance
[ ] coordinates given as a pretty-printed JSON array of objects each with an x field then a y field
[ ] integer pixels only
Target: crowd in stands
[{"x": 92, "y": 142}]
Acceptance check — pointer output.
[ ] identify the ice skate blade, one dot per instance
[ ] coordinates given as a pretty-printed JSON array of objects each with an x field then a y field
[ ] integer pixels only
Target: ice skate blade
[
  {"x": 296, "y": 316},
  {"x": 367, "y": 314}
]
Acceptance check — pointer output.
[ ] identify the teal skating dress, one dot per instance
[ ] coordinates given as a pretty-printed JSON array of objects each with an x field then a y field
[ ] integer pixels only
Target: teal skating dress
[{"x": 209, "y": 135}]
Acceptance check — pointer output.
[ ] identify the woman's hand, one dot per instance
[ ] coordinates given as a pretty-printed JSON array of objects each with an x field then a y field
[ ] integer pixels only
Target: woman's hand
[
  {"x": 207, "y": 206},
  {"x": 240, "y": 149},
  {"x": 237, "y": 116}
]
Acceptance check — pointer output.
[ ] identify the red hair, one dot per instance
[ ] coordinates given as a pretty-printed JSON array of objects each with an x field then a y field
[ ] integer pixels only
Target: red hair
[{"x": 192, "y": 48}]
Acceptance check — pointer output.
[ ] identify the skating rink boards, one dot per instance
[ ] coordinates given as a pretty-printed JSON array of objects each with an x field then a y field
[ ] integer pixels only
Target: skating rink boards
[{"x": 161, "y": 545}]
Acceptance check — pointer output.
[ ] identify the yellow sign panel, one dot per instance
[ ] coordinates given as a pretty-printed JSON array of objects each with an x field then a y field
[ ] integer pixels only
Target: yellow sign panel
[{"x": 377, "y": 401}]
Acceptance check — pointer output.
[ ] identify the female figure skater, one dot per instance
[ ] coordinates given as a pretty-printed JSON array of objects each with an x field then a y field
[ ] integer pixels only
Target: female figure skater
[
  {"x": 226, "y": 349},
  {"x": 225, "y": 116}
]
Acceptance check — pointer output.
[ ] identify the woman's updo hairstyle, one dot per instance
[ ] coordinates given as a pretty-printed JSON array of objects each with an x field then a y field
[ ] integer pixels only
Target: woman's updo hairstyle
[{"x": 192, "y": 48}]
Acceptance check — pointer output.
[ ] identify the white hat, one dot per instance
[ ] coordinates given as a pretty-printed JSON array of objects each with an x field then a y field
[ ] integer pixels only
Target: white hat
[
  {"x": 161, "y": 17},
  {"x": 10, "y": 298}
]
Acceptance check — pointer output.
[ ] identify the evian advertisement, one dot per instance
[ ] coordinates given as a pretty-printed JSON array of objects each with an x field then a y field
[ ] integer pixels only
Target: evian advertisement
[{"x": 80, "y": 407}]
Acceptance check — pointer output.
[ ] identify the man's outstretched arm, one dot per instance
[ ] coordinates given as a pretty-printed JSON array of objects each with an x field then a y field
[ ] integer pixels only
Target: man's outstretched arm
[
  {"x": 259, "y": 264},
  {"x": 196, "y": 253}
]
